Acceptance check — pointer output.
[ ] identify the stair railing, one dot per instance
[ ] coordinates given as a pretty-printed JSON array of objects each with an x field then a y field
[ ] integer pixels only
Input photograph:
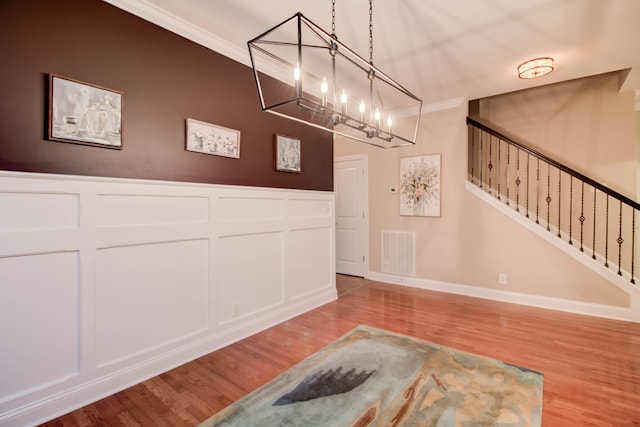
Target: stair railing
[{"x": 583, "y": 212}]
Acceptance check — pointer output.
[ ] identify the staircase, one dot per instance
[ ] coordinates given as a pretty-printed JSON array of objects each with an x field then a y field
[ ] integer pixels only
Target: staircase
[{"x": 581, "y": 214}]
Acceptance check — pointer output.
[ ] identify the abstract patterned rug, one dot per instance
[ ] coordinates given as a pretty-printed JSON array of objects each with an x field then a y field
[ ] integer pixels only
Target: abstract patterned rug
[{"x": 371, "y": 377}]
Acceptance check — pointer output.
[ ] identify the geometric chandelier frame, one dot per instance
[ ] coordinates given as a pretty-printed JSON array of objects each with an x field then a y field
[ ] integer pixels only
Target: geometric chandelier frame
[{"x": 305, "y": 74}]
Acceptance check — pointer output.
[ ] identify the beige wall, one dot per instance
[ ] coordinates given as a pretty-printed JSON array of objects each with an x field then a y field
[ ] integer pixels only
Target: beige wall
[
  {"x": 471, "y": 243},
  {"x": 586, "y": 124}
]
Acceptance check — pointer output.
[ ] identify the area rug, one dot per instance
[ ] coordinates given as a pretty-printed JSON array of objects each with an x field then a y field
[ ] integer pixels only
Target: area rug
[{"x": 372, "y": 377}]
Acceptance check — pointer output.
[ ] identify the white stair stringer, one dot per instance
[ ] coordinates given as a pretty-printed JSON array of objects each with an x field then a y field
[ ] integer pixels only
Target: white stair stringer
[{"x": 598, "y": 267}]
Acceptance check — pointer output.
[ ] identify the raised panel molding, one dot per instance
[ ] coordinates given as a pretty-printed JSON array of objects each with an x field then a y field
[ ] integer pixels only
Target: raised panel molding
[
  {"x": 148, "y": 296},
  {"x": 25, "y": 211},
  {"x": 250, "y": 274},
  {"x": 132, "y": 209},
  {"x": 249, "y": 208},
  {"x": 38, "y": 322},
  {"x": 309, "y": 208},
  {"x": 310, "y": 267},
  {"x": 126, "y": 279}
]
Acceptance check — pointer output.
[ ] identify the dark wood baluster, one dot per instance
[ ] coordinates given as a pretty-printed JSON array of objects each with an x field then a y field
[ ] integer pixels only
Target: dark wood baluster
[
  {"x": 620, "y": 241},
  {"x": 490, "y": 164},
  {"x": 606, "y": 234},
  {"x": 548, "y": 197},
  {"x": 499, "y": 171},
  {"x": 633, "y": 243},
  {"x": 518, "y": 179},
  {"x": 481, "y": 164},
  {"x": 559, "y": 200},
  {"x": 472, "y": 141},
  {"x": 537, "y": 190},
  {"x": 595, "y": 195},
  {"x": 570, "y": 209},
  {"x": 582, "y": 218},
  {"x": 528, "y": 158},
  {"x": 508, "y": 172}
]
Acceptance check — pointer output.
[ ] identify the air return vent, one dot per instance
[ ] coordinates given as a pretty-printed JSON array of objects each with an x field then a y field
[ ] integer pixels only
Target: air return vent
[{"x": 399, "y": 252}]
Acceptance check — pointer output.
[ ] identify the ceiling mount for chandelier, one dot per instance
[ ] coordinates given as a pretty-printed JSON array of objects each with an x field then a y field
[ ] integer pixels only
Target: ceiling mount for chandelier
[{"x": 306, "y": 74}]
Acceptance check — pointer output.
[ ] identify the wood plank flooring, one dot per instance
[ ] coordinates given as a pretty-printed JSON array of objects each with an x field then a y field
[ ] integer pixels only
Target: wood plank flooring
[{"x": 591, "y": 365}]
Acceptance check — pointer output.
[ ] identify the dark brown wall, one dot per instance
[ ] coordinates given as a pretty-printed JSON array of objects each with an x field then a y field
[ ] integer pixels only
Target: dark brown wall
[{"x": 164, "y": 79}]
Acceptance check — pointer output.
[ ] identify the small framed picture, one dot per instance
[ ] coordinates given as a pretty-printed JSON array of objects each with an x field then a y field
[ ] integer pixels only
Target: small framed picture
[
  {"x": 83, "y": 113},
  {"x": 287, "y": 154},
  {"x": 212, "y": 139}
]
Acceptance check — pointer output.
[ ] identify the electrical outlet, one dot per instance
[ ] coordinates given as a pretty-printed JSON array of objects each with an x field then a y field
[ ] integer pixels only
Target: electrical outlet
[
  {"x": 236, "y": 309},
  {"x": 502, "y": 279}
]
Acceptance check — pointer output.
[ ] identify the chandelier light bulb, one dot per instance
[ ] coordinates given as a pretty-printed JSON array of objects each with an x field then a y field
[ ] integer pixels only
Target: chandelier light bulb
[
  {"x": 296, "y": 72},
  {"x": 324, "y": 87},
  {"x": 343, "y": 99},
  {"x": 389, "y": 123},
  {"x": 362, "y": 109}
]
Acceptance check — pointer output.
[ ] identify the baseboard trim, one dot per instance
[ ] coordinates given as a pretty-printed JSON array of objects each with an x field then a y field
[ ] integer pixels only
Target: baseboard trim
[{"x": 558, "y": 304}]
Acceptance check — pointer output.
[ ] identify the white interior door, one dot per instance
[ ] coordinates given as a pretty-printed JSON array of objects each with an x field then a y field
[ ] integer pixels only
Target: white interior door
[{"x": 351, "y": 217}]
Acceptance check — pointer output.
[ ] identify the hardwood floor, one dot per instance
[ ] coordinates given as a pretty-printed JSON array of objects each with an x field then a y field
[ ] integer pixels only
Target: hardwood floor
[
  {"x": 591, "y": 365},
  {"x": 346, "y": 284}
]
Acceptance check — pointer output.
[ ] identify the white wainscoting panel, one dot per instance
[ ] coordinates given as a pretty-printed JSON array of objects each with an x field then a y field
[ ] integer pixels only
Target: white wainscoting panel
[
  {"x": 309, "y": 208},
  {"x": 149, "y": 210},
  {"x": 37, "y": 211},
  {"x": 250, "y": 274},
  {"x": 148, "y": 296},
  {"x": 248, "y": 208},
  {"x": 309, "y": 266},
  {"x": 106, "y": 282},
  {"x": 38, "y": 321}
]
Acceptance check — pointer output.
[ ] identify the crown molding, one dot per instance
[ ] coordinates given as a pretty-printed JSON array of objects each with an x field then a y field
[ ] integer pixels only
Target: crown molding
[
  {"x": 158, "y": 16},
  {"x": 152, "y": 13}
]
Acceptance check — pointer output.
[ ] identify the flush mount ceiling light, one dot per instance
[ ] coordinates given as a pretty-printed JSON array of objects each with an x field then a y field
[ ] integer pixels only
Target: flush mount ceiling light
[
  {"x": 305, "y": 74},
  {"x": 535, "y": 68}
]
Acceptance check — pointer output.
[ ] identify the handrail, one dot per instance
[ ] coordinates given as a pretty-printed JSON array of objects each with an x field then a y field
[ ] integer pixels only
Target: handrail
[
  {"x": 555, "y": 163},
  {"x": 601, "y": 238}
]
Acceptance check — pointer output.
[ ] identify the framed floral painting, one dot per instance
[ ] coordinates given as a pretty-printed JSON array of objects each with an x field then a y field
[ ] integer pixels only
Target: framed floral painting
[{"x": 420, "y": 185}]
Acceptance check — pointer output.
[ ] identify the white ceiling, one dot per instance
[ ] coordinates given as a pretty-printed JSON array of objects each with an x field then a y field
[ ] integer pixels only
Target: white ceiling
[{"x": 441, "y": 50}]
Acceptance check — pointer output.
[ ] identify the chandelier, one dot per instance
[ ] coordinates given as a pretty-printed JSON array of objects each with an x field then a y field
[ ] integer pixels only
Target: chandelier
[{"x": 305, "y": 74}]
